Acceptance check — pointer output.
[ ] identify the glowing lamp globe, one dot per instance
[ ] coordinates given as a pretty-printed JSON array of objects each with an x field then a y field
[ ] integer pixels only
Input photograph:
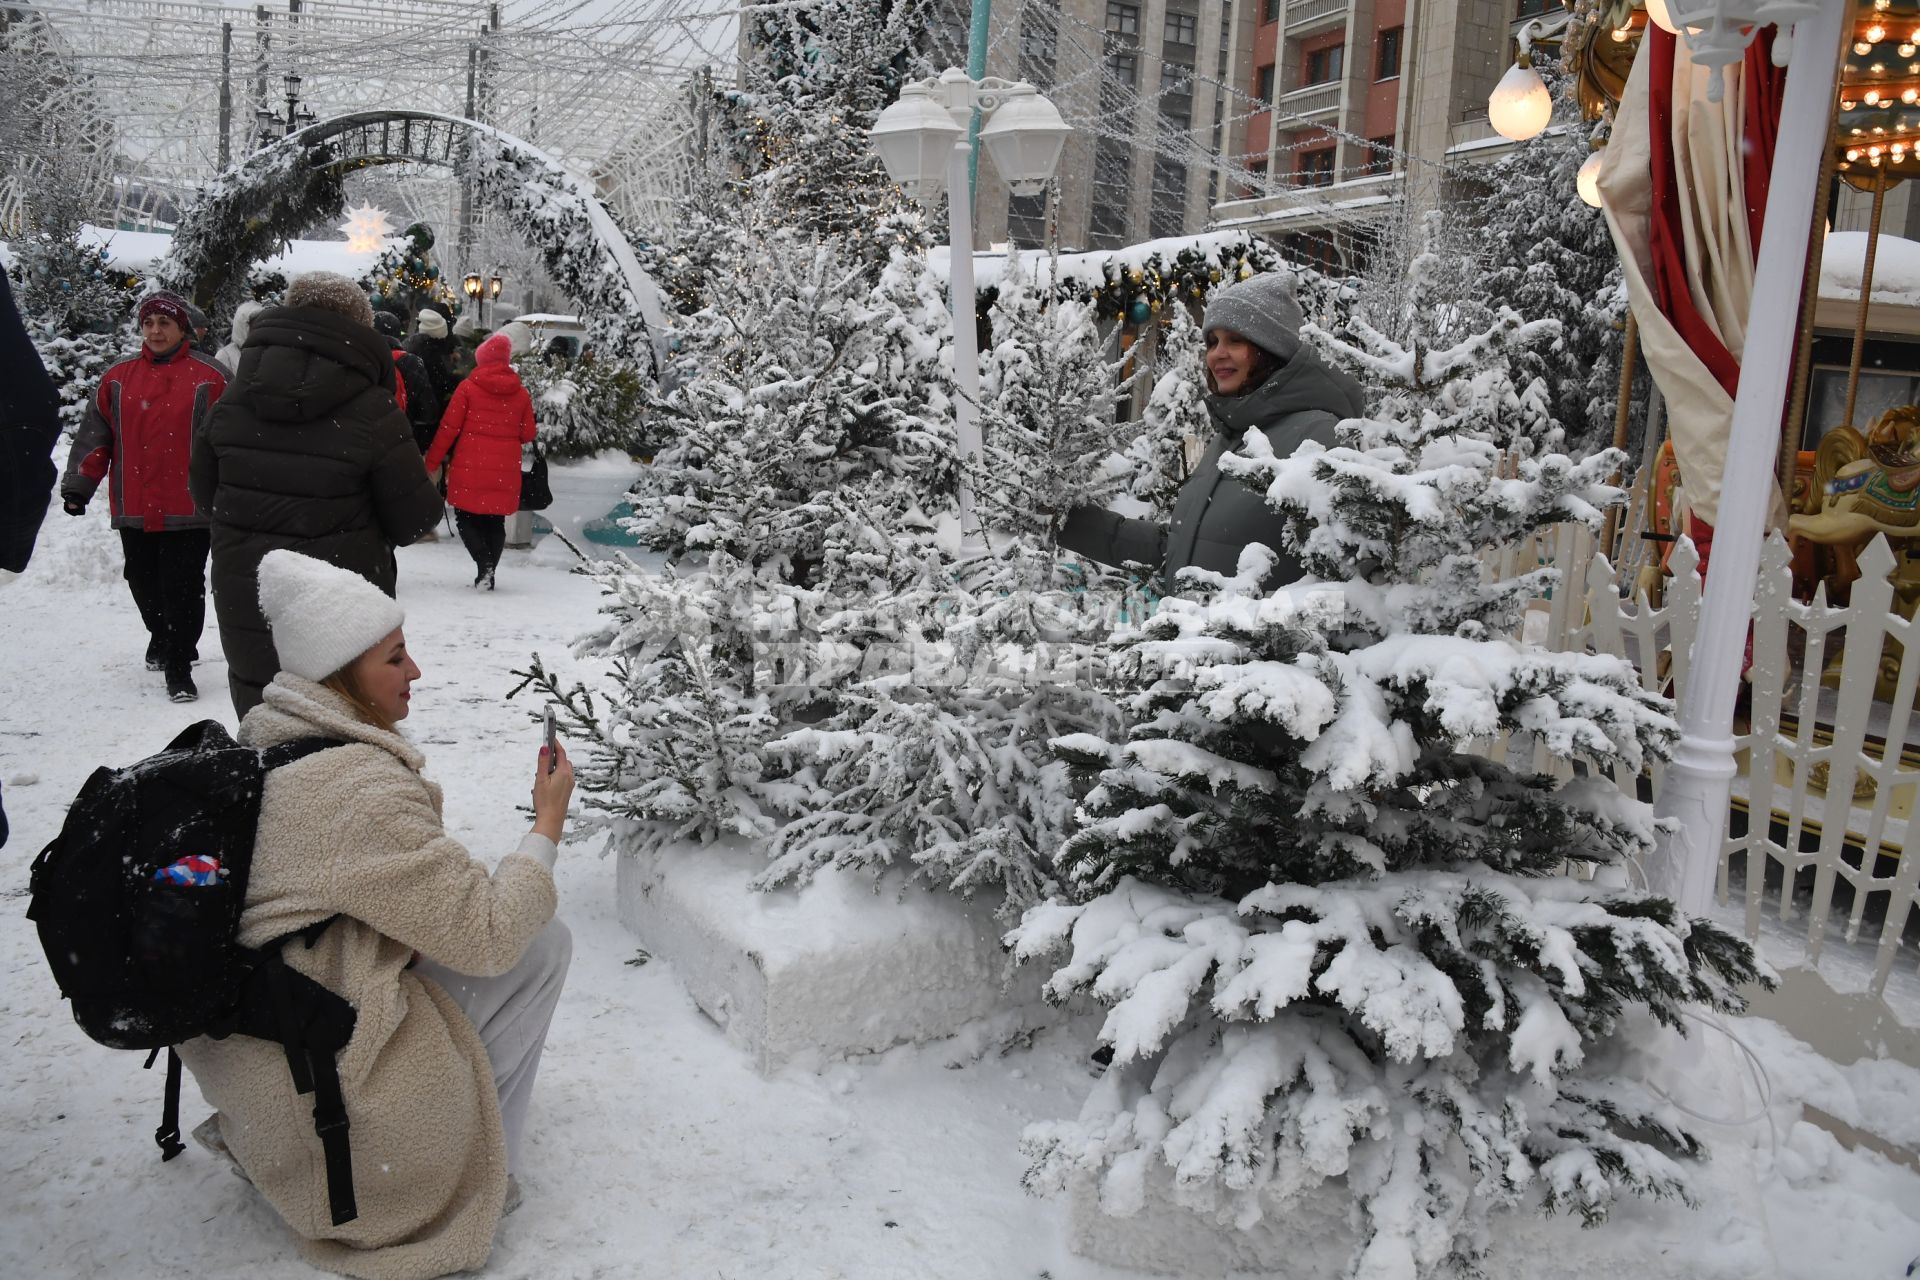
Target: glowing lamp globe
[
  {"x": 1657, "y": 14},
  {"x": 1587, "y": 181},
  {"x": 1520, "y": 106}
]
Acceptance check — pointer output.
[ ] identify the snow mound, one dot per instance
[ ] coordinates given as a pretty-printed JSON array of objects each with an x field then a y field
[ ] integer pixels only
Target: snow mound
[
  {"x": 842, "y": 967},
  {"x": 1896, "y": 268}
]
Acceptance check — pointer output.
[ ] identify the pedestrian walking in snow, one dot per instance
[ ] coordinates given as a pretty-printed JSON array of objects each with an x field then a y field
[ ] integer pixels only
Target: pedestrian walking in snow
[
  {"x": 1258, "y": 375},
  {"x": 308, "y": 451},
  {"x": 414, "y": 390},
  {"x": 138, "y": 433},
  {"x": 29, "y": 428},
  {"x": 434, "y": 345},
  {"x": 485, "y": 428},
  {"x": 453, "y": 972},
  {"x": 229, "y": 355}
]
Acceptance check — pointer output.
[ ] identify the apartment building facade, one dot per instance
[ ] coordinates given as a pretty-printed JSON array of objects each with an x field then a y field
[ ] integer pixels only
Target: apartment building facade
[
  {"x": 1360, "y": 104},
  {"x": 1139, "y": 81}
]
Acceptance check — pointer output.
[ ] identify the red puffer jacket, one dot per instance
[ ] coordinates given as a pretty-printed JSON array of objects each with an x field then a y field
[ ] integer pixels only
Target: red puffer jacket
[
  {"x": 490, "y": 417},
  {"x": 139, "y": 429}
]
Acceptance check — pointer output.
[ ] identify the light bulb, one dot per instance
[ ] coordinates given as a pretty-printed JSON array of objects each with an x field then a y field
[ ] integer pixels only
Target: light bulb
[
  {"x": 1853, "y": 153},
  {"x": 1875, "y": 33},
  {"x": 1587, "y": 181},
  {"x": 1520, "y": 106},
  {"x": 1908, "y": 50},
  {"x": 1873, "y": 98},
  {"x": 1848, "y": 104},
  {"x": 1862, "y": 48},
  {"x": 1910, "y": 95},
  {"x": 1657, "y": 14}
]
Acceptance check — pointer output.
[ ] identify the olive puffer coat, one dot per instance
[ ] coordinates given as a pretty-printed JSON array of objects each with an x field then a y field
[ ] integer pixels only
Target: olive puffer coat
[
  {"x": 307, "y": 450},
  {"x": 1216, "y": 516},
  {"x": 490, "y": 418},
  {"x": 355, "y": 832}
]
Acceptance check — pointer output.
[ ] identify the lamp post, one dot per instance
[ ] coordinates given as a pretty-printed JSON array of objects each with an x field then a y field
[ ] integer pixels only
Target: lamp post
[
  {"x": 470, "y": 285},
  {"x": 493, "y": 290},
  {"x": 922, "y": 141},
  {"x": 1699, "y": 779},
  {"x": 297, "y": 117}
]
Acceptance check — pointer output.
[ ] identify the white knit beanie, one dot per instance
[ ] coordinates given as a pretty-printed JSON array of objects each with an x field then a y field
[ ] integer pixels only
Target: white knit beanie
[
  {"x": 432, "y": 323},
  {"x": 323, "y": 616}
]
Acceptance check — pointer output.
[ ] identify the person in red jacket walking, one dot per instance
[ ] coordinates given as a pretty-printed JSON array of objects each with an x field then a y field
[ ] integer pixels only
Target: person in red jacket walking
[
  {"x": 490, "y": 419},
  {"x": 137, "y": 435}
]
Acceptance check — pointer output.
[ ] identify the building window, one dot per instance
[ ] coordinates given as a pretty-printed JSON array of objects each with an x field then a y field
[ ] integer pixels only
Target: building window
[
  {"x": 1167, "y": 215},
  {"x": 1176, "y": 77},
  {"x": 1039, "y": 41},
  {"x": 1257, "y": 177},
  {"x": 1182, "y": 28},
  {"x": 1386, "y": 55},
  {"x": 1112, "y": 177},
  {"x": 1535, "y": 8},
  {"x": 1264, "y": 85},
  {"x": 1027, "y": 221},
  {"x": 1323, "y": 65},
  {"x": 1313, "y": 249},
  {"x": 1124, "y": 19},
  {"x": 1123, "y": 75},
  {"x": 1379, "y": 155},
  {"x": 1269, "y": 10},
  {"x": 1315, "y": 168}
]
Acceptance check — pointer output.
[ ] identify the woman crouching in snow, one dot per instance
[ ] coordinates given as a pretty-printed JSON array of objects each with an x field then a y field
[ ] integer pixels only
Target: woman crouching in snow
[{"x": 453, "y": 973}]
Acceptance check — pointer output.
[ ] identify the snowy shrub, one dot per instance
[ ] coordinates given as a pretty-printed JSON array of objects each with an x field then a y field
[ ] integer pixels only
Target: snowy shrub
[
  {"x": 585, "y": 406},
  {"x": 76, "y": 362},
  {"x": 1176, "y": 423},
  {"x": 1334, "y": 942}
]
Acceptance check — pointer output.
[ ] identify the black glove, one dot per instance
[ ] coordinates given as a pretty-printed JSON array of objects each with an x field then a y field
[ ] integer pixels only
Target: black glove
[{"x": 74, "y": 508}]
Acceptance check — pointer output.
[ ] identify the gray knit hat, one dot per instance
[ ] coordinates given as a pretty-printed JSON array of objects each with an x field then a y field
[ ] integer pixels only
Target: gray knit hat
[
  {"x": 326, "y": 291},
  {"x": 1262, "y": 310}
]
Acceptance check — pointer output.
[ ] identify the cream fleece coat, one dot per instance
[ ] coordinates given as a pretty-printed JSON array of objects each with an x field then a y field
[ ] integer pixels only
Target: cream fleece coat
[{"x": 356, "y": 831}]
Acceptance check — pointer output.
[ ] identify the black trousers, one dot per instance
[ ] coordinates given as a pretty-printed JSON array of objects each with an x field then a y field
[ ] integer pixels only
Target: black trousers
[
  {"x": 485, "y": 537},
  {"x": 167, "y": 574}
]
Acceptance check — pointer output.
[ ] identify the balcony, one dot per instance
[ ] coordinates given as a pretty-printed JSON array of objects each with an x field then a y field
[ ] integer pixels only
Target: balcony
[
  {"x": 1315, "y": 104},
  {"x": 1307, "y": 17}
]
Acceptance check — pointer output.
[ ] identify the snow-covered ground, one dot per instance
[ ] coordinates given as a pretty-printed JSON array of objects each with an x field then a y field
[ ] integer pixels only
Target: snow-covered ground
[{"x": 657, "y": 1151}]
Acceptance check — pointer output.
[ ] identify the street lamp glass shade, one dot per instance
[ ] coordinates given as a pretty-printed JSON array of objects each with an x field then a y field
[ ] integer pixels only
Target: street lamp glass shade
[
  {"x": 915, "y": 137},
  {"x": 471, "y": 284},
  {"x": 493, "y": 287},
  {"x": 1024, "y": 137},
  {"x": 1657, "y": 14},
  {"x": 1520, "y": 106}
]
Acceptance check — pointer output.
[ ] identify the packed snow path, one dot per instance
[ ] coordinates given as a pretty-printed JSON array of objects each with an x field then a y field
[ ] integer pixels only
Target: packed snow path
[{"x": 656, "y": 1152}]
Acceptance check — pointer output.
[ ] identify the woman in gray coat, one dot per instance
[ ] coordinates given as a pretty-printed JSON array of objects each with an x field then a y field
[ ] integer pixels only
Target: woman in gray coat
[{"x": 1258, "y": 375}]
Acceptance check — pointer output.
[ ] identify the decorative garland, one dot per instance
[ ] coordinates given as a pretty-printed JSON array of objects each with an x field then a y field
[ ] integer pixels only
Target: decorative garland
[
  {"x": 1137, "y": 293},
  {"x": 244, "y": 216},
  {"x": 540, "y": 201}
]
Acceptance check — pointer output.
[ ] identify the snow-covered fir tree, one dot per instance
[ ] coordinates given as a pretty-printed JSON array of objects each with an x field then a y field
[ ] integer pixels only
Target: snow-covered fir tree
[
  {"x": 1176, "y": 422},
  {"x": 587, "y": 405},
  {"x": 817, "y": 76},
  {"x": 1333, "y": 940},
  {"x": 1550, "y": 256},
  {"x": 1436, "y": 353}
]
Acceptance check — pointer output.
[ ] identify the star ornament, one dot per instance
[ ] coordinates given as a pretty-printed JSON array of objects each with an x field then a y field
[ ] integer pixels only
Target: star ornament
[{"x": 367, "y": 229}]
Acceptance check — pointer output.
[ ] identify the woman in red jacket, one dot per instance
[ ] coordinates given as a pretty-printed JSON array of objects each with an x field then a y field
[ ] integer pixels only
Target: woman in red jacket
[{"x": 489, "y": 418}]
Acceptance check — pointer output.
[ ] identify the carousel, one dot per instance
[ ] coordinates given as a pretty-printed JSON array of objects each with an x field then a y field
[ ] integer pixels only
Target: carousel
[{"x": 1827, "y": 745}]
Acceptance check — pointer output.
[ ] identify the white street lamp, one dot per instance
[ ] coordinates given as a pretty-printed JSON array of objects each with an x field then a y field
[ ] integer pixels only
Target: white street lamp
[
  {"x": 922, "y": 140},
  {"x": 1717, "y": 33}
]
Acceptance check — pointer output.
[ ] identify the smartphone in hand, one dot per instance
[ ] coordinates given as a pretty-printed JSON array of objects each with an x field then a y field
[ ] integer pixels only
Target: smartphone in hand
[{"x": 552, "y": 740}]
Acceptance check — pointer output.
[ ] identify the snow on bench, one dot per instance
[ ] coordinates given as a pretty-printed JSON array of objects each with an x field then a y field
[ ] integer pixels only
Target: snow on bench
[{"x": 834, "y": 969}]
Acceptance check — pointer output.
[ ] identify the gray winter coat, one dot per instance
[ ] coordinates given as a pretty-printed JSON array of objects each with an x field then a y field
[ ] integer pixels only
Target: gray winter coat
[
  {"x": 307, "y": 450},
  {"x": 1216, "y": 516}
]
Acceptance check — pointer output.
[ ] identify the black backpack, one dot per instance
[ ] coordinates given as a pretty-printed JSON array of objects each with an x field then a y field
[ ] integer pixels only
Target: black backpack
[{"x": 138, "y": 902}]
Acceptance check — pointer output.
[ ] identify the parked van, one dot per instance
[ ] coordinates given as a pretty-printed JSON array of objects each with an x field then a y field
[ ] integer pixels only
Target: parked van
[{"x": 548, "y": 327}]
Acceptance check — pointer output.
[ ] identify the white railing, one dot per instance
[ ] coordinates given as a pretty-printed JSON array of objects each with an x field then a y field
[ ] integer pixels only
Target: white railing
[
  {"x": 1303, "y": 13},
  {"x": 1829, "y": 770},
  {"x": 1312, "y": 100}
]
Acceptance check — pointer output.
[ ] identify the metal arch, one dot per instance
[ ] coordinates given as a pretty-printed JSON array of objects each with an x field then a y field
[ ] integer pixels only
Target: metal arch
[{"x": 364, "y": 138}]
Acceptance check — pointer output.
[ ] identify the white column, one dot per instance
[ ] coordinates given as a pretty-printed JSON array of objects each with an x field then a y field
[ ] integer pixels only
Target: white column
[
  {"x": 966, "y": 339},
  {"x": 1698, "y": 780}
]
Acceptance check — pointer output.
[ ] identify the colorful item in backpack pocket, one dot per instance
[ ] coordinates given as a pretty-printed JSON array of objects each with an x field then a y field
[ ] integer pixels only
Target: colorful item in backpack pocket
[{"x": 194, "y": 869}]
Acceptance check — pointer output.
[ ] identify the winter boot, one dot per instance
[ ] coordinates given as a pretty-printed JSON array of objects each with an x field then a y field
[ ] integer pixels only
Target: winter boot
[
  {"x": 154, "y": 661},
  {"x": 207, "y": 1134},
  {"x": 486, "y": 580},
  {"x": 180, "y": 687}
]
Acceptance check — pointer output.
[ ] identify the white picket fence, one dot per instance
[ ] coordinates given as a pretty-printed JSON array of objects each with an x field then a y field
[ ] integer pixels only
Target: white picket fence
[{"x": 1828, "y": 776}]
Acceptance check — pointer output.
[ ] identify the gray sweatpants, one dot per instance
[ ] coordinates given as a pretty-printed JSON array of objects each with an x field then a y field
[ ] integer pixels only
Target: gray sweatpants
[{"x": 511, "y": 1013}]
